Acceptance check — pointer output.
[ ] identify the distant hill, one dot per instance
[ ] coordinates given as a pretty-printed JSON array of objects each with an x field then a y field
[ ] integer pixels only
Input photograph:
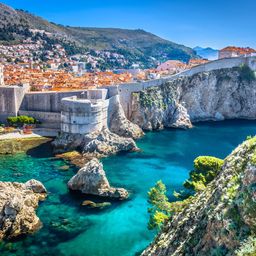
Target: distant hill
[
  {"x": 206, "y": 53},
  {"x": 135, "y": 46}
]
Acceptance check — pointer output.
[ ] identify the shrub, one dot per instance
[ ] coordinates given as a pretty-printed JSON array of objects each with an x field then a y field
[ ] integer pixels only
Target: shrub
[
  {"x": 246, "y": 74},
  {"x": 205, "y": 170},
  {"x": 160, "y": 209},
  {"x": 21, "y": 120},
  {"x": 248, "y": 247}
]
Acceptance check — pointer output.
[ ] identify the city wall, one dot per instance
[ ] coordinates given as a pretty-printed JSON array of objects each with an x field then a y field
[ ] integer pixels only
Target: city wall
[
  {"x": 125, "y": 90},
  {"x": 47, "y": 106},
  {"x": 11, "y": 98}
]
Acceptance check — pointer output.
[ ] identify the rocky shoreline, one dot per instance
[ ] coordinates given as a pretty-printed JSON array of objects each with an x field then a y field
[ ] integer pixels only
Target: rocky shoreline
[
  {"x": 18, "y": 202},
  {"x": 214, "y": 95}
]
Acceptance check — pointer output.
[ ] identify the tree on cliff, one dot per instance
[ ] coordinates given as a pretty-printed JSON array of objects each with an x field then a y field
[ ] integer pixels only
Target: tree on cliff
[{"x": 206, "y": 168}]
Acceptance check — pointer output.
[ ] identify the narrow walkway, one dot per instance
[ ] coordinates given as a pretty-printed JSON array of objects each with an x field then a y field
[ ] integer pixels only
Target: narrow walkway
[{"x": 37, "y": 133}]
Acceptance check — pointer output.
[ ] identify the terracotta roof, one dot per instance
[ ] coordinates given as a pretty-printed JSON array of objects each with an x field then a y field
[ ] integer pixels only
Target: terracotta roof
[{"x": 239, "y": 50}]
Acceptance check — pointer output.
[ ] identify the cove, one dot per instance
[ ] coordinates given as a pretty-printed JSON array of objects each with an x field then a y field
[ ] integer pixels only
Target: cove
[{"x": 72, "y": 230}]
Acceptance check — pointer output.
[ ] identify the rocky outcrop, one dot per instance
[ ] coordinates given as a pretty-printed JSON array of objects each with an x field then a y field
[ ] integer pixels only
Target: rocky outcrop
[
  {"x": 220, "y": 217},
  {"x": 119, "y": 124},
  {"x": 106, "y": 143},
  {"x": 18, "y": 203},
  {"x": 215, "y": 95},
  {"x": 97, "y": 144},
  {"x": 92, "y": 180}
]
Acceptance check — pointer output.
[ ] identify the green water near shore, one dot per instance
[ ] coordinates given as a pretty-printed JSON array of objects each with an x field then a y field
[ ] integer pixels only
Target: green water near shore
[{"x": 71, "y": 230}]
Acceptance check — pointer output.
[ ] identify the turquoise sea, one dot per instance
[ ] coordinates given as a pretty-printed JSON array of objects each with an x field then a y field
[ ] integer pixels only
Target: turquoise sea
[{"x": 120, "y": 230}]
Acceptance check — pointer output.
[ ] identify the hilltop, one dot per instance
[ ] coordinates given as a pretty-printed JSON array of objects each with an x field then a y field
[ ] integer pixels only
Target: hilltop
[
  {"x": 121, "y": 47},
  {"x": 207, "y": 53}
]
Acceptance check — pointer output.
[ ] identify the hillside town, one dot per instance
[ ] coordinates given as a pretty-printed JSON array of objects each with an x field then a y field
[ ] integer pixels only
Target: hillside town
[{"x": 55, "y": 71}]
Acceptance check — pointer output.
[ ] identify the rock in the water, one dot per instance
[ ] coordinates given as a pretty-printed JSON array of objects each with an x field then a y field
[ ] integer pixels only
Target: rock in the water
[
  {"x": 96, "y": 144},
  {"x": 36, "y": 186},
  {"x": 18, "y": 203},
  {"x": 106, "y": 143},
  {"x": 92, "y": 204},
  {"x": 92, "y": 180}
]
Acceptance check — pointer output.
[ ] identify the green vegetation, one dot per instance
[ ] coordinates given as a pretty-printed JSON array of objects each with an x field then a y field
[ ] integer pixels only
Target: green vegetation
[
  {"x": 160, "y": 210},
  {"x": 21, "y": 120},
  {"x": 246, "y": 74},
  {"x": 205, "y": 170},
  {"x": 248, "y": 247},
  {"x": 136, "y": 46}
]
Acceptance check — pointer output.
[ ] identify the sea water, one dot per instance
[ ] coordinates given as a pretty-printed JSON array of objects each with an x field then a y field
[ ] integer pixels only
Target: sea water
[{"x": 120, "y": 230}]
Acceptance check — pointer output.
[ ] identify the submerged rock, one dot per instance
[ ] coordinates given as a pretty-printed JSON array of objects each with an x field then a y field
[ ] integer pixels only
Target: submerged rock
[
  {"x": 92, "y": 204},
  {"x": 18, "y": 203},
  {"x": 92, "y": 180},
  {"x": 221, "y": 218}
]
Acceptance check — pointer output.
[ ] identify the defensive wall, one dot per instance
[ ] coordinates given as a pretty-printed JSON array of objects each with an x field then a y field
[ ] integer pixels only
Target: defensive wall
[
  {"x": 47, "y": 106},
  {"x": 125, "y": 90},
  {"x": 11, "y": 98}
]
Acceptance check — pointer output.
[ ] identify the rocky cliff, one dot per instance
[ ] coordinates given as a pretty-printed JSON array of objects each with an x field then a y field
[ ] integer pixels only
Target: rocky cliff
[
  {"x": 18, "y": 202},
  {"x": 221, "y": 220},
  {"x": 215, "y": 95}
]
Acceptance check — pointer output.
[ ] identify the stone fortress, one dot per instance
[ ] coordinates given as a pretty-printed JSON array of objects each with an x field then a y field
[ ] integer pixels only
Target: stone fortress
[{"x": 85, "y": 111}]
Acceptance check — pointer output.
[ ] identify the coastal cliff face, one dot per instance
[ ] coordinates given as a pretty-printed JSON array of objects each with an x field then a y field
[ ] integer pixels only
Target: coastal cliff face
[
  {"x": 18, "y": 203},
  {"x": 221, "y": 220},
  {"x": 214, "y": 95}
]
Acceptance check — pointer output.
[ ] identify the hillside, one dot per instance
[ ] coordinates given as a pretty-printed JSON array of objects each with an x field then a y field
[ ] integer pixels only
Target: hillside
[
  {"x": 131, "y": 46},
  {"x": 220, "y": 220},
  {"x": 207, "y": 53}
]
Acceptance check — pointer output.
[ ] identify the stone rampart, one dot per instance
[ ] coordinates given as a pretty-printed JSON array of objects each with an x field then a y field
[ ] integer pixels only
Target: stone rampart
[
  {"x": 47, "y": 119},
  {"x": 47, "y": 106},
  {"x": 125, "y": 90},
  {"x": 11, "y": 98},
  {"x": 82, "y": 116}
]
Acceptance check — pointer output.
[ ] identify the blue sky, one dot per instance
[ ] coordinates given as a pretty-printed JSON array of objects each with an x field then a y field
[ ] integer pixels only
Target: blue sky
[{"x": 215, "y": 23}]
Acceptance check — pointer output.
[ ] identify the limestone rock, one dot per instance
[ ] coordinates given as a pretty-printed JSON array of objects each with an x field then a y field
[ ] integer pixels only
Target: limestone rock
[
  {"x": 36, "y": 186},
  {"x": 105, "y": 143},
  {"x": 219, "y": 218},
  {"x": 18, "y": 203},
  {"x": 206, "y": 96},
  {"x": 119, "y": 124},
  {"x": 66, "y": 142},
  {"x": 96, "y": 144},
  {"x": 91, "y": 179},
  {"x": 91, "y": 204}
]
